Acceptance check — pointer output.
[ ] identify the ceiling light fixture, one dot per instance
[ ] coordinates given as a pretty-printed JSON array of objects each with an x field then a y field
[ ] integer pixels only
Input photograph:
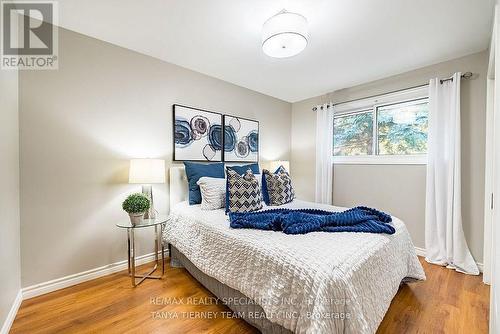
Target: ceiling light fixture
[{"x": 284, "y": 35}]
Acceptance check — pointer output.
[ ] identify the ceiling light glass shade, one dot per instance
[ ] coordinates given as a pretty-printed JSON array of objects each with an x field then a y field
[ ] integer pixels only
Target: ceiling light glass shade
[{"x": 284, "y": 35}]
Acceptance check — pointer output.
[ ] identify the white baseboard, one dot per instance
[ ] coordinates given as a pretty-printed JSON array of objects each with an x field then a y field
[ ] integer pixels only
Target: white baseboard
[
  {"x": 422, "y": 251},
  {"x": 64, "y": 282},
  {"x": 12, "y": 313}
]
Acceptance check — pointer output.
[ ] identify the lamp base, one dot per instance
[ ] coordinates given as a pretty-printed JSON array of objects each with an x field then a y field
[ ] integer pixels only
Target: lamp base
[{"x": 147, "y": 190}]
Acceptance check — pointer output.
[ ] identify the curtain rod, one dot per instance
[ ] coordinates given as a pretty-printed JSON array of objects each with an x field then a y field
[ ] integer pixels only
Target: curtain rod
[{"x": 466, "y": 75}]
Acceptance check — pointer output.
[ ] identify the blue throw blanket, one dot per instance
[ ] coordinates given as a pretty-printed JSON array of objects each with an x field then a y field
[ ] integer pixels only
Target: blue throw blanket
[{"x": 301, "y": 221}]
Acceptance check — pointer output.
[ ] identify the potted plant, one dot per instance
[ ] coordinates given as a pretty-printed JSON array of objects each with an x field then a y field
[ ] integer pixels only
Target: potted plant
[{"x": 136, "y": 205}]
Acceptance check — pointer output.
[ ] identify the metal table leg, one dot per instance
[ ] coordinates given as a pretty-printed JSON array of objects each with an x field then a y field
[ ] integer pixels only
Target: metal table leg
[
  {"x": 131, "y": 253},
  {"x": 128, "y": 249},
  {"x": 131, "y": 257},
  {"x": 162, "y": 250}
]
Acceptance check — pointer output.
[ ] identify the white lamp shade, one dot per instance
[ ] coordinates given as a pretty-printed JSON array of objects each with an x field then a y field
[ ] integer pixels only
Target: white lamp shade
[
  {"x": 284, "y": 35},
  {"x": 147, "y": 171},
  {"x": 275, "y": 164}
]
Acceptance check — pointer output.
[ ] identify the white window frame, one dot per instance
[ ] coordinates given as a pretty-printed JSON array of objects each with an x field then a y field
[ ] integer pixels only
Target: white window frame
[{"x": 372, "y": 104}]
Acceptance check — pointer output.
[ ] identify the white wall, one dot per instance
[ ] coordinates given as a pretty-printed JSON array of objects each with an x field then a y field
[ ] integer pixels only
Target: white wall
[
  {"x": 10, "y": 260},
  {"x": 79, "y": 127},
  {"x": 494, "y": 163},
  {"x": 400, "y": 189}
]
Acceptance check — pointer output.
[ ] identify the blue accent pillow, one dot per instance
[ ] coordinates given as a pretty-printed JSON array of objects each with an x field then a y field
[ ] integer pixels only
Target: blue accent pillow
[
  {"x": 265, "y": 191},
  {"x": 195, "y": 171},
  {"x": 241, "y": 170}
]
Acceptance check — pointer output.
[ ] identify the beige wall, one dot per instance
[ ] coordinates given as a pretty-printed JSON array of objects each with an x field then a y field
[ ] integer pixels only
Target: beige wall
[
  {"x": 400, "y": 189},
  {"x": 10, "y": 259},
  {"x": 81, "y": 124}
]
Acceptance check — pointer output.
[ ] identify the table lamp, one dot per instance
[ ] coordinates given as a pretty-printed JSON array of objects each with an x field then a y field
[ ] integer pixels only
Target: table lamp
[
  {"x": 273, "y": 165},
  {"x": 147, "y": 172}
]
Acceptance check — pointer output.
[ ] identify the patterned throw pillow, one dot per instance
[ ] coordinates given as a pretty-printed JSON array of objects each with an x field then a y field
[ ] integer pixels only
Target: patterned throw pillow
[
  {"x": 213, "y": 192},
  {"x": 279, "y": 187},
  {"x": 244, "y": 192}
]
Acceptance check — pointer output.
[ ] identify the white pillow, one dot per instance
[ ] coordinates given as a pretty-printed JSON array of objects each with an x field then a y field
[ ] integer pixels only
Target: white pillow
[{"x": 213, "y": 192}]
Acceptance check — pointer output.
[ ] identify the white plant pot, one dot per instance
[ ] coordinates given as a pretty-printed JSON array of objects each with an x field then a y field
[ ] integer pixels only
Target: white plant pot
[{"x": 136, "y": 218}]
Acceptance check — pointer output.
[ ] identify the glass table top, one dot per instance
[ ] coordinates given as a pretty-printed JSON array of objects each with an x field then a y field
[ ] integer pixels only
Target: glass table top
[{"x": 160, "y": 219}]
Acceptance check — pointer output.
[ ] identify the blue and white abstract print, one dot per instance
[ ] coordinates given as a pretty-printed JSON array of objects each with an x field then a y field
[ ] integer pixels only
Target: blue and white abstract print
[
  {"x": 241, "y": 139},
  {"x": 197, "y": 134}
]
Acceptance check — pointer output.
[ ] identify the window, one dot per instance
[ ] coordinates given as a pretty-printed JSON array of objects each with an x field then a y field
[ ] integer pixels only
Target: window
[
  {"x": 388, "y": 129},
  {"x": 402, "y": 128},
  {"x": 353, "y": 134}
]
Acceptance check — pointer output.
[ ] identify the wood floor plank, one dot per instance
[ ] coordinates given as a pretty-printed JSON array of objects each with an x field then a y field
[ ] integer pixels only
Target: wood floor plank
[{"x": 448, "y": 302}]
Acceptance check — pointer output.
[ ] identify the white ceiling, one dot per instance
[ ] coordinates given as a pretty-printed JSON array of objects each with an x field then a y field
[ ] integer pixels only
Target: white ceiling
[{"x": 351, "y": 41}]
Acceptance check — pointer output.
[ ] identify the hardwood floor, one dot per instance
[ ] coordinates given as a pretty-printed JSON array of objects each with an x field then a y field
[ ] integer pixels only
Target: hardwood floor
[{"x": 448, "y": 302}]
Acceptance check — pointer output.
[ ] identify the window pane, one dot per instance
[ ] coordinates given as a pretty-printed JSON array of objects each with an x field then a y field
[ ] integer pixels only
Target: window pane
[
  {"x": 402, "y": 128},
  {"x": 353, "y": 134}
]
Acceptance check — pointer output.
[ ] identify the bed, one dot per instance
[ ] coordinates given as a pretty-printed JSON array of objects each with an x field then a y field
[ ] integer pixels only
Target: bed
[{"x": 313, "y": 283}]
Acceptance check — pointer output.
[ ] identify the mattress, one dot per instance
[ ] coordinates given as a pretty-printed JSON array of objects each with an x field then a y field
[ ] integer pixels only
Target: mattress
[
  {"x": 313, "y": 283},
  {"x": 242, "y": 306}
]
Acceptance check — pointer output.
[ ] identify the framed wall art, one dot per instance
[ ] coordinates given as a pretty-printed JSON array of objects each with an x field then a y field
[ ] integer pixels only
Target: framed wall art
[
  {"x": 241, "y": 139},
  {"x": 197, "y": 134}
]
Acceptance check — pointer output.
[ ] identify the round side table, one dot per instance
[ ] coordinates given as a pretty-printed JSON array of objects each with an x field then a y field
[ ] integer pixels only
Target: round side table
[{"x": 158, "y": 223}]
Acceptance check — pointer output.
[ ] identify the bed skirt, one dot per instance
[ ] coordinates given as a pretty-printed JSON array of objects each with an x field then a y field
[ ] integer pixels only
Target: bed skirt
[{"x": 227, "y": 294}]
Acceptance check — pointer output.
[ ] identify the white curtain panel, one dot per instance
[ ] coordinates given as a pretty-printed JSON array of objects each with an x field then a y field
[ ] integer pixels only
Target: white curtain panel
[
  {"x": 324, "y": 152},
  {"x": 444, "y": 237}
]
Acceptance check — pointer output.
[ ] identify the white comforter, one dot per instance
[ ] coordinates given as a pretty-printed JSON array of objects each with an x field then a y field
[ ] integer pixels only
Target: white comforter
[{"x": 313, "y": 283}]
